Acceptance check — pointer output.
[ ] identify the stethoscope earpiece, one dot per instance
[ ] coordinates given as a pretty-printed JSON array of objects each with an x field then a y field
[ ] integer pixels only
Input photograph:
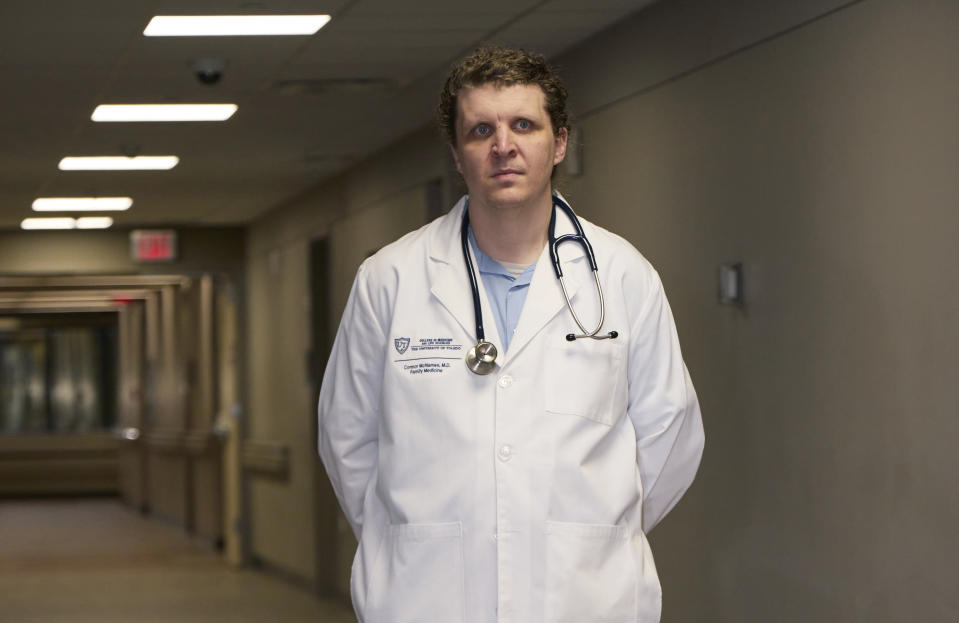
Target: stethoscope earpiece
[{"x": 572, "y": 337}]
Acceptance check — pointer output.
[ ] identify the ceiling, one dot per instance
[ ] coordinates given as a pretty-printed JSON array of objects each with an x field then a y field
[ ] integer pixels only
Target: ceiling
[{"x": 309, "y": 107}]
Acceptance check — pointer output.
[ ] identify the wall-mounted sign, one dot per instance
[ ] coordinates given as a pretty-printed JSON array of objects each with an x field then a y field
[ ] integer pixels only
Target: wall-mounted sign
[{"x": 153, "y": 245}]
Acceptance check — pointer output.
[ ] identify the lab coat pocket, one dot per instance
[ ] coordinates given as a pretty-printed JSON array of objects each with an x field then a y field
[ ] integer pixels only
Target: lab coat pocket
[
  {"x": 590, "y": 574},
  {"x": 587, "y": 378},
  {"x": 422, "y": 576}
]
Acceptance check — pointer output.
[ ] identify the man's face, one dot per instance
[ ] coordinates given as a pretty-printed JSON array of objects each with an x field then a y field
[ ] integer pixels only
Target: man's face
[{"x": 506, "y": 147}]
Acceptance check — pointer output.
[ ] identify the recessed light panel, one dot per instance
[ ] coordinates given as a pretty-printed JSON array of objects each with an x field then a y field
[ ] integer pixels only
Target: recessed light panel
[
  {"x": 94, "y": 222},
  {"x": 163, "y": 112},
  {"x": 84, "y": 204},
  {"x": 118, "y": 163},
  {"x": 233, "y": 25},
  {"x": 48, "y": 223}
]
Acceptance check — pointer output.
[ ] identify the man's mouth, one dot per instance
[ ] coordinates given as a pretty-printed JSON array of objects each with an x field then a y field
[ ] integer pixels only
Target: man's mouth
[{"x": 506, "y": 173}]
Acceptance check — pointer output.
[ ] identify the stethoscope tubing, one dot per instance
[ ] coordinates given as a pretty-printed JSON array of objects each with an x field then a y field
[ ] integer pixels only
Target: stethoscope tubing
[
  {"x": 474, "y": 286},
  {"x": 480, "y": 358},
  {"x": 579, "y": 236}
]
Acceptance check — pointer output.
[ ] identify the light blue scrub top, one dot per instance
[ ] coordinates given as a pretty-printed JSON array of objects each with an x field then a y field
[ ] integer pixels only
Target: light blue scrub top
[{"x": 506, "y": 293}]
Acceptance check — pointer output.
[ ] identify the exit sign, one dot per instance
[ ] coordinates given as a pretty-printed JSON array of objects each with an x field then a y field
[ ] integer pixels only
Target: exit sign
[{"x": 153, "y": 245}]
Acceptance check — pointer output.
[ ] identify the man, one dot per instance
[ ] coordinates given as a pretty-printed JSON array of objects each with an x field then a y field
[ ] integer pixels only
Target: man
[{"x": 524, "y": 494}]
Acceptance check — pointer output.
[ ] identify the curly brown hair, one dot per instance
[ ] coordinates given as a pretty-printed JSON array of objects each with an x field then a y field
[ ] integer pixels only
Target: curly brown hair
[{"x": 502, "y": 67}]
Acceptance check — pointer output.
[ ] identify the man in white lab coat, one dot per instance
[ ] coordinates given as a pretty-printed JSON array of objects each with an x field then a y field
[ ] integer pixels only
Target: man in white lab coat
[{"x": 522, "y": 495}]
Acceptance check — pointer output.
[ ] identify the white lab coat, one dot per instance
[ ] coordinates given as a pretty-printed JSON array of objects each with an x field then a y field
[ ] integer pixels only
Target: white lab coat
[{"x": 522, "y": 496}]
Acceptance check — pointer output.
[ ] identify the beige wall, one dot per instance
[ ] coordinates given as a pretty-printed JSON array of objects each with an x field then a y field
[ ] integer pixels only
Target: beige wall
[
  {"x": 280, "y": 517},
  {"x": 816, "y": 142},
  {"x": 824, "y": 160},
  {"x": 371, "y": 205},
  {"x": 207, "y": 249}
]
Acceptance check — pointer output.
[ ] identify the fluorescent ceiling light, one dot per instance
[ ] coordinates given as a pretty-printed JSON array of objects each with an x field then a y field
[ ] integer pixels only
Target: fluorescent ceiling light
[
  {"x": 163, "y": 112},
  {"x": 94, "y": 222},
  {"x": 233, "y": 25},
  {"x": 118, "y": 163},
  {"x": 66, "y": 222},
  {"x": 48, "y": 223},
  {"x": 84, "y": 204}
]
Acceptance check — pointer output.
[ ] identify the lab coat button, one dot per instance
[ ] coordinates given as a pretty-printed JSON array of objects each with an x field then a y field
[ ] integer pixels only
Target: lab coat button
[
  {"x": 505, "y": 453},
  {"x": 505, "y": 381}
]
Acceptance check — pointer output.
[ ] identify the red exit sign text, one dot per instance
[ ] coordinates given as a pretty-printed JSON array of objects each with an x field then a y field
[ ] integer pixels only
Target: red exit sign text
[{"x": 153, "y": 245}]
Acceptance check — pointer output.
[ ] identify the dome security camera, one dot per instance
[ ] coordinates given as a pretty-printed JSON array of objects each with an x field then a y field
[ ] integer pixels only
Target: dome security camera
[{"x": 208, "y": 70}]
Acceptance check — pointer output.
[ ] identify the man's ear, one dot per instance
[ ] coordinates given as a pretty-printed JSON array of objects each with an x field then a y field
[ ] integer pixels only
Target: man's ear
[
  {"x": 561, "y": 138},
  {"x": 456, "y": 158}
]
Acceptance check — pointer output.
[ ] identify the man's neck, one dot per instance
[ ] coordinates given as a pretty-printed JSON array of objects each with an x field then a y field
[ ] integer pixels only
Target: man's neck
[{"x": 512, "y": 233}]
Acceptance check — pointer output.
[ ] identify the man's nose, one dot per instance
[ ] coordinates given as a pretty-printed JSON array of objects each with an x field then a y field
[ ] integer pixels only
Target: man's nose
[{"x": 503, "y": 144}]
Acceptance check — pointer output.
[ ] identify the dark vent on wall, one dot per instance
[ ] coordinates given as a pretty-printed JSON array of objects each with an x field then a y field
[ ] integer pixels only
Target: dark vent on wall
[
  {"x": 323, "y": 86},
  {"x": 319, "y": 157}
]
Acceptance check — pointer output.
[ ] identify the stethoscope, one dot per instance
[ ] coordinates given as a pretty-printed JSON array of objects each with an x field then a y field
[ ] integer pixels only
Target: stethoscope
[{"x": 481, "y": 359}]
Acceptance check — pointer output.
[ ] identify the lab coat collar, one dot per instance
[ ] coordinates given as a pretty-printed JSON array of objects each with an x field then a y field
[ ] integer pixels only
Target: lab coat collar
[{"x": 449, "y": 283}]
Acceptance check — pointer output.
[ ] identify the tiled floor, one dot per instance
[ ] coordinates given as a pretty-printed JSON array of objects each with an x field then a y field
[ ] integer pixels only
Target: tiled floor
[{"x": 93, "y": 560}]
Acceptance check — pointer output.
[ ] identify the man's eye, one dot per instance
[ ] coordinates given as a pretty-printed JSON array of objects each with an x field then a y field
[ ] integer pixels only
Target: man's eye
[
  {"x": 483, "y": 130},
  {"x": 523, "y": 124}
]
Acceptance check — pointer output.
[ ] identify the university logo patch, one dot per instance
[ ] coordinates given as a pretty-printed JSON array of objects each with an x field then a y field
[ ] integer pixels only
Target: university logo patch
[{"x": 401, "y": 344}]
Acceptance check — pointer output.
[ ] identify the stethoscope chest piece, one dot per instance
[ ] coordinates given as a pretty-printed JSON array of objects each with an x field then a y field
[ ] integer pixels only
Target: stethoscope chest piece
[{"x": 481, "y": 359}]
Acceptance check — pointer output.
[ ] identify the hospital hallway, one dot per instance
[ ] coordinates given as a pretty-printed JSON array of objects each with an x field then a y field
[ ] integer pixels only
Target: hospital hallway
[
  {"x": 771, "y": 196},
  {"x": 94, "y": 559}
]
